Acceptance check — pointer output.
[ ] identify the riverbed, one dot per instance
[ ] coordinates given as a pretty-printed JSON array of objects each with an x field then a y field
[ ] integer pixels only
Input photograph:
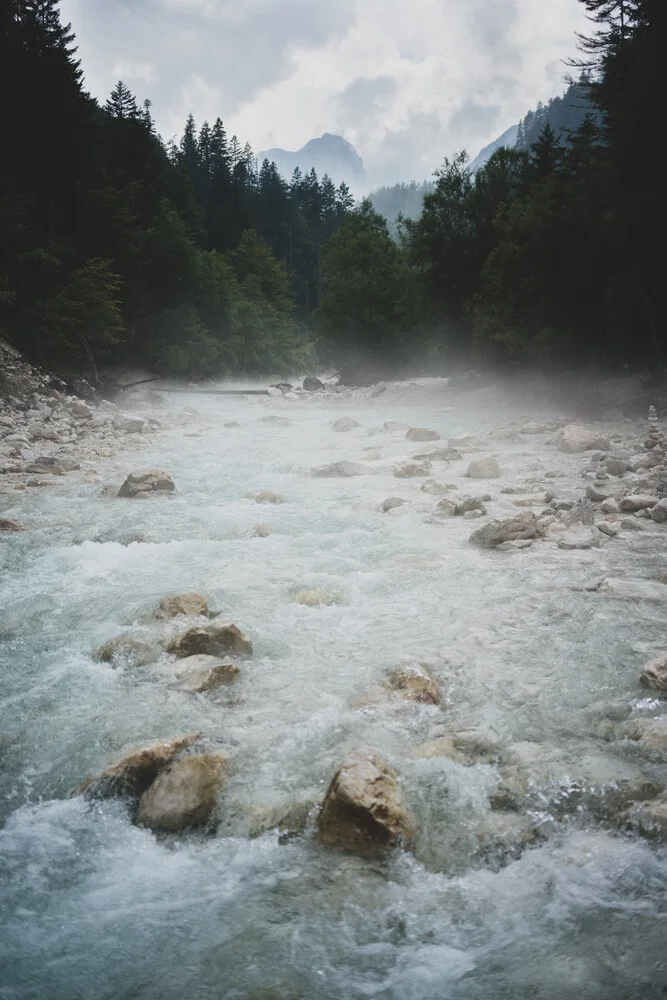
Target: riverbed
[{"x": 552, "y": 898}]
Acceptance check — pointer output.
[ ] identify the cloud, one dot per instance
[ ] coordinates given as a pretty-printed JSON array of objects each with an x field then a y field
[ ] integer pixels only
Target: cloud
[{"x": 407, "y": 84}]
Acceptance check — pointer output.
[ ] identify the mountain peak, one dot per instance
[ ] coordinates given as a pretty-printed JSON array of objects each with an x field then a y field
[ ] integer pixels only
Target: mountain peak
[{"x": 329, "y": 154}]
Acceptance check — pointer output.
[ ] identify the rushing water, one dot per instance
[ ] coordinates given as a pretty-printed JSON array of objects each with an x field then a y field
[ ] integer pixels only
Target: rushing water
[{"x": 95, "y": 908}]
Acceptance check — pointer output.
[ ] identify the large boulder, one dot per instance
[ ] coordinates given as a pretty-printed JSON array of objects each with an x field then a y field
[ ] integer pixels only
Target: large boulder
[
  {"x": 654, "y": 673},
  {"x": 135, "y": 773},
  {"x": 415, "y": 684},
  {"x": 363, "y": 810},
  {"x": 212, "y": 640},
  {"x": 140, "y": 484},
  {"x": 484, "y": 468},
  {"x": 183, "y": 795},
  {"x": 496, "y": 532},
  {"x": 575, "y": 438},
  {"x": 183, "y": 604},
  {"x": 346, "y": 424},
  {"x": 312, "y": 384},
  {"x": 201, "y": 673},
  {"x": 421, "y": 434},
  {"x": 125, "y": 650},
  {"x": 130, "y": 425}
]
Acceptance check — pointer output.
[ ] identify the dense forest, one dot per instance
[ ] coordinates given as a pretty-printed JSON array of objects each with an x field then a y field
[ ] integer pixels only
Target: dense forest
[{"x": 192, "y": 259}]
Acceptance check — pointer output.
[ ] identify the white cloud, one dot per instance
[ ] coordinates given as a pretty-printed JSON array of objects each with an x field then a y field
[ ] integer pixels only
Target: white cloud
[{"x": 406, "y": 83}]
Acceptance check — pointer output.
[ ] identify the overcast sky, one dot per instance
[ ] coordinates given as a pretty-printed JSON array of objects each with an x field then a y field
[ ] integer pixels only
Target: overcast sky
[{"x": 408, "y": 82}]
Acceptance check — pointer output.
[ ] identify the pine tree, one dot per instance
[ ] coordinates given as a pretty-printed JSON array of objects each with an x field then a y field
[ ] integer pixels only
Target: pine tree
[{"x": 121, "y": 103}]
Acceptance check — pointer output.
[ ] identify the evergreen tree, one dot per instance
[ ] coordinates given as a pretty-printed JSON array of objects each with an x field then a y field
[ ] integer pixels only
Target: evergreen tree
[{"x": 122, "y": 103}]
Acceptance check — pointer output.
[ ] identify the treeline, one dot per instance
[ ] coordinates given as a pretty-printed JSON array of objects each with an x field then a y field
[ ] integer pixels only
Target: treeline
[
  {"x": 115, "y": 248},
  {"x": 545, "y": 254}
]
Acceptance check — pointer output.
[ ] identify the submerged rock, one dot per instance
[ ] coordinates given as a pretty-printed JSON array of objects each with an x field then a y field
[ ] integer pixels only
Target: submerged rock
[
  {"x": 201, "y": 673},
  {"x": 484, "y": 468},
  {"x": 574, "y": 438},
  {"x": 183, "y": 604},
  {"x": 183, "y": 795},
  {"x": 654, "y": 673},
  {"x": 421, "y": 434},
  {"x": 580, "y": 538},
  {"x": 268, "y": 496},
  {"x": 378, "y": 389},
  {"x": 342, "y": 469},
  {"x": 6, "y": 524},
  {"x": 139, "y": 484},
  {"x": 136, "y": 772},
  {"x": 127, "y": 651},
  {"x": 649, "y": 818},
  {"x": 318, "y": 598},
  {"x": 363, "y": 810},
  {"x": 345, "y": 424},
  {"x": 415, "y": 684},
  {"x": 634, "y": 590},
  {"x": 213, "y": 640},
  {"x": 391, "y": 502},
  {"x": 496, "y": 532},
  {"x": 445, "y": 508},
  {"x": 410, "y": 470}
]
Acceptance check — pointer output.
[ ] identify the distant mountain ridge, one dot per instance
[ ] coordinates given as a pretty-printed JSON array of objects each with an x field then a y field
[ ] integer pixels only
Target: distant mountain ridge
[
  {"x": 508, "y": 138},
  {"x": 330, "y": 154}
]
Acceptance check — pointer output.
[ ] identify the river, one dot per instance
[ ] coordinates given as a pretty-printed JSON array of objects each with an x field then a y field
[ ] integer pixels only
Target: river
[{"x": 528, "y": 654}]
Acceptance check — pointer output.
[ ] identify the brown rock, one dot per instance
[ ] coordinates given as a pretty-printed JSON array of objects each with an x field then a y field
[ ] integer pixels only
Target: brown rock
[
  {"x": 125, "y": 650},
  {"x": 496, "y": 532},
  {"x": 268, "y": 496},
  {"x": 183, "y": 795},
  {"x": 8, "y": 525},
  {"x": 214, "y": 640},
  {"x": 137, "y": 772},
  {"x": 654, "y": 674},
  {"x": 142, "y": 483},
  {"x": 649, "y": 818},
  {"x": 363, "y": 810},
  {"x": 415, "y": 684},
  {"x": 183, "y": 604},
  {"x": 201, "y": 673}
]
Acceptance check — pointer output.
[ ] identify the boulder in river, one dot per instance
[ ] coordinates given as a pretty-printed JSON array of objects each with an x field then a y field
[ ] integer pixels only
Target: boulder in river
[
  {"x": 496, "y": 532},
  {"x": 140, "y": 484},
  {"x": 184, "y": 795},
  {"x": 410, "y": 470},
  {"x": 415, "y": 684},
  {"x": 213, "y": 640},
  {"x": 484, "y": 468},
  {"x": 336, "y": 469},
  {"x": 183, "y": 604},
  {"x": 659, "y": 511},
  {"x": 391, "y": 502},
  {"x": 363, "y": 810},
  {"x": 422, "y": 434},
  {"x": 6, "y": 524},
  {"x": 268, "y": 496},
  {"x": 127, "y": 651},
  {"x": 136, "y": 772},
  {"x": 201, "y": 673},
  {"x": 636, "y": 502},
  {"x": 648, "y": 818},
  {"x": 130, "y": 425},
  {"x": 654, "y": 673},
  {"x": 346, "y": 424},
  {"x": 312, "y": 384},
  {"x": 633, "y": 590},
  {"x": 465, "y": 505},
  {"x": 574, "y": 438}
]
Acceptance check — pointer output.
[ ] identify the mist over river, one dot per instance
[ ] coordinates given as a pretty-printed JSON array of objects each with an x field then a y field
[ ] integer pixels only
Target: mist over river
[{"x": 550, "y": 895}]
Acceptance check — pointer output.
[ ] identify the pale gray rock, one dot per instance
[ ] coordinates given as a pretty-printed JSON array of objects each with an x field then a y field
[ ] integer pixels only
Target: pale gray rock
[
  {"x": 654, "y": 673},
  {"x": 484, "y": 468},
  {"x": 496, "y": 532},
  {"x": 345, "y": 424},
  {"x": 575, "y": 438}
]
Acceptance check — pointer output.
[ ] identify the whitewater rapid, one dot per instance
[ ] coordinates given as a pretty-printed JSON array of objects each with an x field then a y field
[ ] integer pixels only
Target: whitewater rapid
[{"x": 523, "y": 645}]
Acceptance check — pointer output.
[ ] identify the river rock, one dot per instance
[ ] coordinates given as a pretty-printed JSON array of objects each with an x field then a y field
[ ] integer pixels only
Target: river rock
[
  {"x": 345, "y": 424},
  {"x": 434, "y": 488},
  {"x": 126, "y": 651},
  {"x": 6, "y": 524},
  {"x": 580, "y": 538},
  {"x": 183, "y": 604},
  {"x": 438, "y": 455},
  {"x": 466, "y": 505},
  {"x": 318, "y": 598},
  {"x": 616, "y": 466},
  {"x": 445, "y": 508},
  {"x": 659, "y": 511},
  {"x": 139, "y": 484},
  {"x": 634, "y": 590},
  {"x": 636, "y": 502},
  {"x": 415, "y": 684},
  {"x": 648, "y": 818},
  {"x": 496, "y": 532},
  {"x": 184, "y": 795},
  {"x": 312, "y": 384},
  {"x": 334, "y": 469},
  {"x": 130, "y": 425},
  {"x": 136, "y": 772},
  {"x": 651, "y": 733},
  {"x": 201, "y": 673},
  {"x": 391, "y": 502},
  {"x": 363, "y": 810},
  {"x": 574, "y": 438},
  {"x": 484, "y": 468},
  {"x": 629, "y": 524},
  {"x": 410, "y": 470},
  {"x": 467, "y": 441},
  {"x": 654, "y": 673},
  {"x": 212, "y": 640},
  {"x": 610, "y": 506},
  {"x": 421, "y": 434},
  {"x": 378, "y": 389},
  {"x": 607, "y": 529},
  {"x": 268, "y": 496}
]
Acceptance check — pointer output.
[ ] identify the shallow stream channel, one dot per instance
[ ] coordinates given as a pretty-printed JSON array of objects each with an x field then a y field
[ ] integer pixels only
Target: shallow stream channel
[{"x": 524, "y": 876}]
